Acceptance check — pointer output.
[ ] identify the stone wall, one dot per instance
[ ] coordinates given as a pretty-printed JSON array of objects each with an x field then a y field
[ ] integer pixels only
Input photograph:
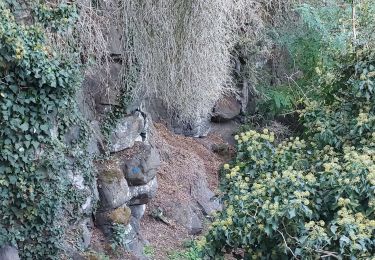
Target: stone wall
[
  {"x": 126, "y": 172},
  {"x": 127, "y": 180}
]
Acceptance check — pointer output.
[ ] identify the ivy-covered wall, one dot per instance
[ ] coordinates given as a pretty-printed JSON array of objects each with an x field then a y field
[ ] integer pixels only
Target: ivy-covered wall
[
  {"x": 45, "y": 174},
  {"x": 64, "y": 123}
]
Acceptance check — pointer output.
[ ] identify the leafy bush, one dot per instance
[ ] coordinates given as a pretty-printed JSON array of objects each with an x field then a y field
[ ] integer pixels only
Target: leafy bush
[
  {"x": 276, "y": 101},
  {"x": 313, "y": 35},
  {"x": 120, "y": 236},
  {"x": 189, "y": 253},
  {"x": 307, "y": 197}
]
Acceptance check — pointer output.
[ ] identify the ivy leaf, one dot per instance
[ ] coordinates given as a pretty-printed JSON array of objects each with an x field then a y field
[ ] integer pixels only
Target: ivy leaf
[
  {"x": 333, "y": 229},
  {"x": 12, "y": 179},
  {"x": 268, "y": 230},
  {"x": 14, "y": 88},
  {"x": 344, "y": 240},
  {"x": 291, "y": 213},
  {"x": 35, "y": 144},
  {"x": 44, "y": 128},
  {"x": 27, "y": 144},
  {"x": 24, "y": 127}
]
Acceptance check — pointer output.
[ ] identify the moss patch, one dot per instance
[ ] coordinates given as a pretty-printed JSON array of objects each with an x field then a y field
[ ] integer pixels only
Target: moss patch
[
  {"x": 121, "y": 215},
  {"x": 110, "y": 176},
  {"x": 109, "y": 171}
]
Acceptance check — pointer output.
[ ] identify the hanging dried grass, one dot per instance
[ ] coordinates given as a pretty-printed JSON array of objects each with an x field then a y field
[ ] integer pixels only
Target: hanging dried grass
[
  {"x": 177, "y": 51},
  {"x": 180, "y": 52}
]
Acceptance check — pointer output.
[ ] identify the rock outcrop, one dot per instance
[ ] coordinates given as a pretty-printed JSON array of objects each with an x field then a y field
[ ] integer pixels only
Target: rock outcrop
[
  {"x": 199, "y": 127},
  {"x": 226, "y": 109},
  {"x": 127, "y": 131},
  {"x": 127, "y": 179}
]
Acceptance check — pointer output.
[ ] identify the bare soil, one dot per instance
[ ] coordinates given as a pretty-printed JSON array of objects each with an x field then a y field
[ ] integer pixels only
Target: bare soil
[{"x": 183, "y": 159}]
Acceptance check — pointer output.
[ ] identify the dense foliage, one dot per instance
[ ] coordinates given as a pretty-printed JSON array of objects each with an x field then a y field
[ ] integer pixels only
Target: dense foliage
[
  {"x": 312, "y": 196},
  {"x": 310, "y": 38},
  {"x": 37, "y": 106}
]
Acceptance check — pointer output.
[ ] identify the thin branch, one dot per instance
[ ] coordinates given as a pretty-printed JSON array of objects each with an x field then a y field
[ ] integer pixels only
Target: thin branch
[
  {"x": 327, "y": 254},
  {"x": 286, "y": 245},
  {"x": 354, "y": 22}
]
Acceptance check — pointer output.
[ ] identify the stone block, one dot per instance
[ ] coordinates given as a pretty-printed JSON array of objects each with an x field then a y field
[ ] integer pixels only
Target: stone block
[
  {"x": 127, "y": 132},
  {"x": 112, "y": 186},
  {"x": 143, "y": 194},
  {"x": 142, "y": 167}
]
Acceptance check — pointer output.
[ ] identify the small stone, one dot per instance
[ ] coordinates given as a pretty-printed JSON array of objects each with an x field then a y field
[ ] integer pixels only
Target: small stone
[
  {"x": 137, "y": 248},
  {"x": 143, "y": 194},
  {"x": 87, "y": 206},
  {"x": 86, "y": 233},
  {"x": 138, "y": 210},
  {"x": 78, "y": 182},
  {"x": 136, "y": 224},
  {"x": 195, "y": 226}
]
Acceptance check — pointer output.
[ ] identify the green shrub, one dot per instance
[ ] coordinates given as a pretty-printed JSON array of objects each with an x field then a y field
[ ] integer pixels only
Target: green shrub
[
  {"x": 121, "y": 236},
  {"x": 313, "y": 36},
  {"x": 190, "y": 252},
  {"x": 277, "y": 100},
  {"x": 307, "y": 197},
  {"x": 149, "y": 251}
]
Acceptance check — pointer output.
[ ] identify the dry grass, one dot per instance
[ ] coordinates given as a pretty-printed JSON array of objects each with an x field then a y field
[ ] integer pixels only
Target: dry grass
[
  {"x": 92, "y": 27},
  {"x": 90, "y": 37},
  {"x": 180, "y": 52},
  {"x": 177, "y": 51}
]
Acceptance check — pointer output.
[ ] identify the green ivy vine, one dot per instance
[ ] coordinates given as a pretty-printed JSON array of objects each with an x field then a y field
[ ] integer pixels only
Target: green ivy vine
[{"x": 37, "y": 108}]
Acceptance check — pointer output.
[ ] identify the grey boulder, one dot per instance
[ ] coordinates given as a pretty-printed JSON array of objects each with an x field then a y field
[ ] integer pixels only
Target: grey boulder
[
  {"x": 185, "y": 215},
  {"x": 9, "y": 253},
  {"x": 143, "y": 194},
  {"x": 204, "y": 196},
  {"x": 112, "y": 186},
  {"x": 226, "y": 109},
  {"x": 142, "y": 167},
  {"x": 138, "y": 210},
  {"x": 127, "y": 131}
]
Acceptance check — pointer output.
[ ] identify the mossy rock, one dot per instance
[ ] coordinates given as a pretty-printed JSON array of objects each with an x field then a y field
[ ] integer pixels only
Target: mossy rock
[
  {"x": 110, "y": 176},
  {"x": 112, "y": 187},
  {"x": 109, "y": 171},
  {"x": 121, "y": 215}
]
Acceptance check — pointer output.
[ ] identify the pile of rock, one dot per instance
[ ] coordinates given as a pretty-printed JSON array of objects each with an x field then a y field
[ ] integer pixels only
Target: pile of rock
[{"x": 127, "y": 180}]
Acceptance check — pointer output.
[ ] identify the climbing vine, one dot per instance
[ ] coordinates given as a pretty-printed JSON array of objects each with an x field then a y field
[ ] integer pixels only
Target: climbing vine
[{"x": 37, "y": 108}]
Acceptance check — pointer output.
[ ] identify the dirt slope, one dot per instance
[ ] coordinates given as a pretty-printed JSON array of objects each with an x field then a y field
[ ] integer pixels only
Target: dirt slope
[{"x": 185, "y": 161}]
